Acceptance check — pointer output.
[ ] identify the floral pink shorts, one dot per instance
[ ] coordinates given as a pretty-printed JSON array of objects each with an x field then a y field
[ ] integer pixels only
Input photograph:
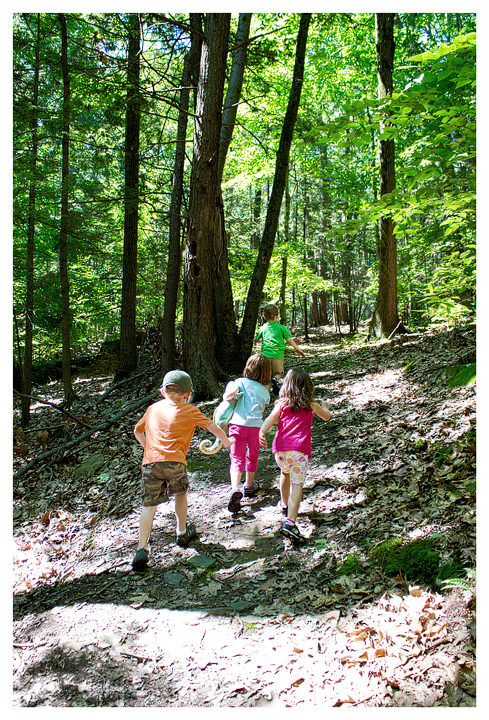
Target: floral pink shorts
[{"x": 293, "y": 463}]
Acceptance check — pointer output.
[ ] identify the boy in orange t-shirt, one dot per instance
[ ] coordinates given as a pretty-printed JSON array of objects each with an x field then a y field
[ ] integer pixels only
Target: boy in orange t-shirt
[{"x": 165, "y": 431}]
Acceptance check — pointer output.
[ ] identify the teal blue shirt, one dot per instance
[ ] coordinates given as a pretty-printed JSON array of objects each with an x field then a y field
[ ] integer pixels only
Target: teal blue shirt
[{"x": 249, "y": 408}]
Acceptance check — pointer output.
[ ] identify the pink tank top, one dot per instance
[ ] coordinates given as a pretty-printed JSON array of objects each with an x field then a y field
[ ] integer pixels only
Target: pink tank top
[{"x": 293, "y": 431}]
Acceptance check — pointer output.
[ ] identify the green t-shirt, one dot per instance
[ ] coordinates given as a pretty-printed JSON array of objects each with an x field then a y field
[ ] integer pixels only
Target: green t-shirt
[{"x": 273, "y": 337}]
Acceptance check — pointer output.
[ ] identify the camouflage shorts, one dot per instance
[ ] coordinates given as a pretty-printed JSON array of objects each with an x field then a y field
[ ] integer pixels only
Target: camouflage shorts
[{"x": 162, "y": 479}]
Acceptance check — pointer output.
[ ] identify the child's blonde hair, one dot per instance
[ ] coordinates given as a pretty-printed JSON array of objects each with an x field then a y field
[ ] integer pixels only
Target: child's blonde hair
[
  {"x": 258, "y": 367},
  {"x": 297, "y": 390},
  {"x": 269, "y": 312}
]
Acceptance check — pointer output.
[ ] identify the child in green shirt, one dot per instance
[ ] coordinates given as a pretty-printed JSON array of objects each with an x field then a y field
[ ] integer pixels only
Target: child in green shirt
[{"x": 273, "y": 337}]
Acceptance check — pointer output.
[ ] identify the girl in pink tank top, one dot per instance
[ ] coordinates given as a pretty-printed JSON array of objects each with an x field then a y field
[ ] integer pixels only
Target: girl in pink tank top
[{"x": 291, "y": 445}]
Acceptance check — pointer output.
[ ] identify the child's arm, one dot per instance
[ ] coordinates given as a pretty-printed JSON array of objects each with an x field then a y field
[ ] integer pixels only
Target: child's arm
[
  {"x": 322, "y": 410},
  {"x": 229, "y": 394},
  {"x": 220, "y": 435},
  {"x": 267, "y": 424},
  {"x": 292, "y": 342},
  {"x": 141, "y": 438}
]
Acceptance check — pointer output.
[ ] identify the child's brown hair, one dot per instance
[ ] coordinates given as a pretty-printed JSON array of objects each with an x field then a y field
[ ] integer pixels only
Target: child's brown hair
[
  {"x": 269, "y": 312},
  {"x": 258, "y": 367},
  {"x": 297, "y": 390}
]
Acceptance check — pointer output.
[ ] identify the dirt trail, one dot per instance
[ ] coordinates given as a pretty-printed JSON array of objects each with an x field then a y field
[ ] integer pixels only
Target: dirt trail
[{"x": 242, "y": 617}]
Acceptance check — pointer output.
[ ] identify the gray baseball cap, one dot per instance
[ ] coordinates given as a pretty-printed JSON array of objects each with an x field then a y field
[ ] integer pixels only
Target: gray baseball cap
[{"x": 179, "y": 378}]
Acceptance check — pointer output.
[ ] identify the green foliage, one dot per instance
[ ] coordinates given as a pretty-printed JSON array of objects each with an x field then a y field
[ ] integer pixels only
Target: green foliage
[
  {"x": 379, "y": 552},
  {"x": 350, "y": 565},
  {"x": 330, "y": 236},
  {"x": 416, "y": 560},
  {"x": 449, "y": 572},
  {"x": 462, "y": 375},
  {"x": 468, "y": 583}
]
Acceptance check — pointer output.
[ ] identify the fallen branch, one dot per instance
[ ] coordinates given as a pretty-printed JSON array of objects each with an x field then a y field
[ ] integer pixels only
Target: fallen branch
[
  {"x": 96, "y": 428},
  {"x": 123, "y": 382},
  {"x": 57, "y": 407}
]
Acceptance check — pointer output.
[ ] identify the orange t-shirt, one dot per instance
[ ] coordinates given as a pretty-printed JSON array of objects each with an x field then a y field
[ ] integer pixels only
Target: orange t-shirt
[{"x": 169, "y": 427}]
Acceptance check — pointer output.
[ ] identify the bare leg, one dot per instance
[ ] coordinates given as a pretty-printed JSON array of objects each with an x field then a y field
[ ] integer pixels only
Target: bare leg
[
  {"x": 181, "y": 506},
  {"x": 145, "y": 525},
  {"x": 236, "y": 479},
  {"x": 294, "y": 501},
  {"x": 284, "y": 487},
  {"x": 249, "y": 478}
]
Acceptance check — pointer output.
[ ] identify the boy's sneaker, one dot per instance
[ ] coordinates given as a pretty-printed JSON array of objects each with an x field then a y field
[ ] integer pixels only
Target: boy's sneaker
[
  {"x": 184, "y": 538},
  {"x": 290, "y": 530},
  {"x": 250, "y": 490},
  {"x": 140, "y": 560},
  {"x": 234, "y": 505},
  {"x": 275, "y": 386}
]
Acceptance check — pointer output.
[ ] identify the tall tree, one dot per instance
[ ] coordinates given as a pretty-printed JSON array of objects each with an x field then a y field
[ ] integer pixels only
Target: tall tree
[
  {"x": 190, "y": 62},
  {"x": 275, "y": 202},
  {"x": 225, "y": 330},
  {"x": 63, "y": 236},
  {"x": 198, "y": 342},
  {"x": 128, "y": 348},
  {"x": 31, "y": 232},
  {"x": 386, "y": 316}
]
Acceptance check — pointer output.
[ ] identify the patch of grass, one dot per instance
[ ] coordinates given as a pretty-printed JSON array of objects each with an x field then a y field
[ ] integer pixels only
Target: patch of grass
[
  {"x": 449, "y": 572},
  {"x": 462, "y": 375},
  {"x": 380, "y": 551},
  {"x": 416, "y": 560},
  {"x": 350, "y": 565}
]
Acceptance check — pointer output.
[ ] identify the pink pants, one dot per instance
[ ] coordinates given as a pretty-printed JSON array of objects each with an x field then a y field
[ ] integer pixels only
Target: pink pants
[{"x": 244, "y": 452}]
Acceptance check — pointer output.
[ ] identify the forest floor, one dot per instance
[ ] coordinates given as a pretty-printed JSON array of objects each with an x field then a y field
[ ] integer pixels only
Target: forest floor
[{"x": 241, "y": 617}]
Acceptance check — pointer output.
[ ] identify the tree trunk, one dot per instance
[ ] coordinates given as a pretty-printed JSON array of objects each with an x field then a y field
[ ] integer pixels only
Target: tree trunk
[
  {"x": 128, "y": 358},
  {"x": 386, "y": 315},
  {"x": 198, "y": 342},
  {"x": 283, "y": 284},
  {"x": 325, "y": 227},
  {"x": 63, "y": 235},
  {"x": 262, "y": 264},
  {"x": 225, "y": 329},
  {"x": 306, "y": 323},
  {"x": 233, "y": 93},
  {"x": 174, "y": 248},
  {"x": 255, "y": 219},
  {"x": 315, "y": 309},
  {"x": 31, "y": 230}
]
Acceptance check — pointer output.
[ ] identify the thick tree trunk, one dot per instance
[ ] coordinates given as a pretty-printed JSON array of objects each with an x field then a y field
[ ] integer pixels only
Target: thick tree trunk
[
  {"x": 198, "y": 344},
  {"x": 63, "y": 236},
  {"x": 273, "y": 212},
  {"x": 225, "y": 329},
  {"x": 386, "y": 315},
  {"x": 174, "y": 247},
  {"x": 31, "y": 230},
  {"x": 233, "y": 93},
  {"x": 128, "y": 358}
]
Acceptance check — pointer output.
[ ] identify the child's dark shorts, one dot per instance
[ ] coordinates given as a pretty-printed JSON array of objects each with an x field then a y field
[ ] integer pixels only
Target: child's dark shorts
[{"x": 161, "y": 479}]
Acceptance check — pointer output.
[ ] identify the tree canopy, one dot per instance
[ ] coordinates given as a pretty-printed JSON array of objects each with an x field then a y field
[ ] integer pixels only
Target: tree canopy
[{"x": 324, "y": 267}]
